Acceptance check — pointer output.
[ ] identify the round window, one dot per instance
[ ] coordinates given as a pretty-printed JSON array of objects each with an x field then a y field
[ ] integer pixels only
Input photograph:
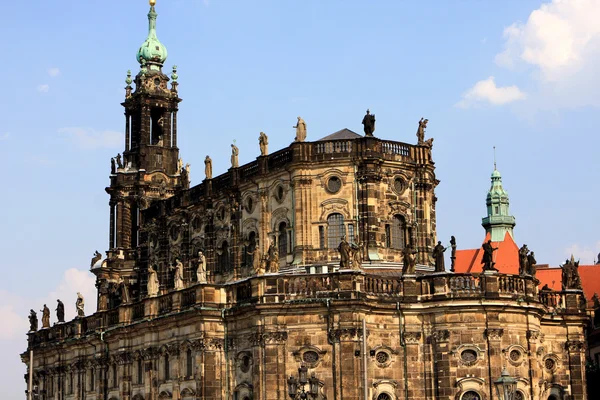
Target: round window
[
  {"x": 384, "y": 396},
  {"x": 245, "y": 364},
  {"x": 468, "y": 356},
  {"x": 310, "y": 357},
  {"x": 334, "y": 184},
  {"x": 471, "y": 395},
  {"x": 382, "y": 357},
  {"x": 549, "y": 364},
  {"x": 515, "y": 355},
  {"x": 399, "y": 185}
]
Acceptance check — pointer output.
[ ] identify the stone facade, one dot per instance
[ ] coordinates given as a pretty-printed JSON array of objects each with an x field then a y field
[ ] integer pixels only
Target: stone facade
[{"x": 276, "y": 296}]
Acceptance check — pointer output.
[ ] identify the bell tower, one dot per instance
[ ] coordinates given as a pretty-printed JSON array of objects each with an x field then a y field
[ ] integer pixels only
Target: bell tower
[
  {"x": 498, "y": 220},
  {"x": 149, "y": 168}
]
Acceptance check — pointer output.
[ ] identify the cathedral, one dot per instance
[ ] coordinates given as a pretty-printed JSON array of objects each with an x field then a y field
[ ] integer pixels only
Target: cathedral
[{"x": 313, "y": 272}]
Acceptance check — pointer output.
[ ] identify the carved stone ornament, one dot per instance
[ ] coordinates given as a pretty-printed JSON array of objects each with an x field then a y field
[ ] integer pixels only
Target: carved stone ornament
[
  {"x": 412, "y": 337},
  {"x": 494, "y": 333},
  {"x": 441, "y": 335},
  {"x": 533, "y": 335},
  {"x": 273, "y": 337},
  {"x": 311, "y": 356},
  {"x": 574, "y": 346},
  {"x": 346, "y": 334}
]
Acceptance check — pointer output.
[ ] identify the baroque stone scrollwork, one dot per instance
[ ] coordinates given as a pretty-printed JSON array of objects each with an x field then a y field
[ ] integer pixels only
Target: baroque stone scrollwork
[
  {"x": 441, "y": 335},
  {"x": 412, "y": 337},
  {"x": 494, "y": 333},
  {"x": 334, "y": 206},
  {"x": 346, "y": 334},
  {"x": 263, "y": 338},
  {"x": 533, "y": 335},
  {"x": 574, "y": 346}
]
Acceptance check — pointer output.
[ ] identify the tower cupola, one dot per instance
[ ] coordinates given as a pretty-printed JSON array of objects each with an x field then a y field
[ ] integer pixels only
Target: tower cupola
[
  {"x": 152, "y": 52},
  {"x": 498, "y": 220}
]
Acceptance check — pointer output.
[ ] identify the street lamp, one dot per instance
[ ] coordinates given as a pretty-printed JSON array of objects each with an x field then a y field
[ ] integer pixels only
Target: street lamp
[
  {"x": 506, "y": 386},
  {"x": 296, "y": 386}
]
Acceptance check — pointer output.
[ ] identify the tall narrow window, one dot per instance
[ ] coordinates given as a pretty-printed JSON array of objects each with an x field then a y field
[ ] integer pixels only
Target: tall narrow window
[
  {"x": 140, "y": 372},
  {"x": 335, "y": 230},
  {"x": 92, "y": 379},
  {"x": 351, "y": 233},
  {"x": 223, "y": 257},
  {"x": 114, "y": 375},
  {"x": 398, "y": 229},
  {"x": 283, "y": 243},
  {"x": 321, "y": 237},
  {"x": 167, "y": 368},
  {"x": 189, "y": 364},
  {"x": 388, "y": 236},
  {"x": 70, "y": 383}
]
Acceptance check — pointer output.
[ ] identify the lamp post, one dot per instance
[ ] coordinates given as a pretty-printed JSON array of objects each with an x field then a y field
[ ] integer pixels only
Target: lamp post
[
  {"x": 506, "y": 386},
  {"x": 296, "y": 385}
]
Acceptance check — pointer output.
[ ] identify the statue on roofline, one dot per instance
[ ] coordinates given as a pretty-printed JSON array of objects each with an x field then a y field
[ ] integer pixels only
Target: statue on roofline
[
  {"x": 369, "y": 123},
  {"x": 300, "y": 130}
]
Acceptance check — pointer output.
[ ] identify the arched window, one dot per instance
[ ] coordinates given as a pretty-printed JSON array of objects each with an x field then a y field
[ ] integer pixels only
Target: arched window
[
  {"x": 250, "y": 248},
  {"x": 167, "y": 368},
  {"x": 335, "y": 230},
  {"x": 396, "y": 233},
  {"x": 189, "y": 365},
  {"x": 283, "y": 242},
  {"x": 470, "y": 395},
  {"x": 140, "y": 371},
  {"x": 223, "y": 257}
]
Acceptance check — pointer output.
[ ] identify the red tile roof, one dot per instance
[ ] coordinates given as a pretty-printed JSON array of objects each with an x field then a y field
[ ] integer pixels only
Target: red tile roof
[{"x": 507, "y": 262}]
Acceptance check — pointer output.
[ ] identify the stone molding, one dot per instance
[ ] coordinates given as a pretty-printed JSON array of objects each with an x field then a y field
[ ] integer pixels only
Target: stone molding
[
  {"x": 346, "y": 334},
  {"x": 574, "y": 346},
  {"x": 412, "y": 337},
  {"x": 264, "y": 338},
  {"x": 440, "y": 336},
  {"x": 494, "y": 333}
]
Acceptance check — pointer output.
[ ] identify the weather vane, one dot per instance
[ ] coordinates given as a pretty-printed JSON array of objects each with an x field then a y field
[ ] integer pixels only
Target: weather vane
[{"x": 494, "y": 158}]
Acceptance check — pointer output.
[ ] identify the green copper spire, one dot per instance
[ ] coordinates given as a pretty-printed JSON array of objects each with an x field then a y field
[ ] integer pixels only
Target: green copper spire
[
  {"x": 498, "y": 220},
  {"x": 152, "y": 51}
]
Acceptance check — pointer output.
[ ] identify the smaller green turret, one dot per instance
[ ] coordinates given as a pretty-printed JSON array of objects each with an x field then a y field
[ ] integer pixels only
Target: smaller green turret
[
  {"x": 152, "y": 52},
  {"x": 498, "y": 220}
]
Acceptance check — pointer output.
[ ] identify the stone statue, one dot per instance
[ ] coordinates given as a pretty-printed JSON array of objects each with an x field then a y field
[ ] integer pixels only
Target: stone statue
[
  {"x": 113, "y": 167},
  {"x": 45, "y": 317},
  {"x": 60, "y": 311},
  {"x": 153, "y": 284},
  {"x": 201, "y": 270},
  {"x": 453, "y": 254},
  {"x": 124, "y": 286},
  {"x": 344, "y": 249},
  {"x": 300, "y": 130},
  {"x": 178, "y": 274},
  {"x": 409, "y": 266},
  {"x": 531, "y": 262},
  {"x": 273, "y": 258},
  {"x": 598, "y": 259},
  {"x": 369, "y": 123},
  {"x": 357, "y": 256},
  {"x": 208, "y": 167},
  {"x": 257, "y": 264},
  {"x": 179, "y": 164},
  {"x": 119, "y": 162},
  {"x": 263, "y": 142},
  {"x": 523, "y": 266},
  {"x": 184, "y": 176},
  {"x": 438, "y": 256},
  {"x": 596, "y": 301},
  {"x": 33, "y": 321},
  {"x": 96, "y": 258},
  {"x": 421, "y": 131},
  {"x": 570, "y": 275},
  {"x": 235, "y": 152},
  {"x": 79, "y": 305},
  {"x": 488, "y": 256}
]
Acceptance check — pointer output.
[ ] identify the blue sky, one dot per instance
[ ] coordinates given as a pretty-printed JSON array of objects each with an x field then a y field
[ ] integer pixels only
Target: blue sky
[{"x": 518, "y": 75}]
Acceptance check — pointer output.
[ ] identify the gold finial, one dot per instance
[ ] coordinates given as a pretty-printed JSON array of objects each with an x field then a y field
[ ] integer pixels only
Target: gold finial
[{"x": 152, "y": 3}]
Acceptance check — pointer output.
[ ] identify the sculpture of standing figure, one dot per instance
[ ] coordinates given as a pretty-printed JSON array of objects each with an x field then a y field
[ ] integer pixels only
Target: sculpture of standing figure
[
  {"x": 369, "y": 123},
  {"x": 201, "y": 270},
  {"x": 357, "y": 256},
  {"x": 124, "y": 286},
  {"x": 153, "y": 284},
  {"x": 184, "y": 176},
  {"x": 409, "y": 266},
  {"x": 344, "y": 249},
  {"x": 453, "y": 254},
  {"x": 60, "y": 311},
  {"x": 263, "y": 142},
  {"x": 113, "y": 167},
  {"x": 570, "y": 275},
  {"x": 96, "y": 258},
  {"x": 33, "y": 321},
  {"x": 523, "y": 267},
  {"x": 488, "y": 256},
  {"x": 273, "y": 258},
  {"x": 438, "y": 256},
  {"x": 45, "y": 317},
  {"x": 179, "y": 164},
  {"x": 208, "y": 167},
  {"x": 421, "y": 131},
  {"x": 300, "y": 130},
  {"x": 79, "y": 305},
  {"x": 531, "y": 262},
  {"x": 257, "y": 265},
  {"x": 235, "y": 152},
  {"x": 178, "y": 274},
  {"x": 119, "y": 162}
]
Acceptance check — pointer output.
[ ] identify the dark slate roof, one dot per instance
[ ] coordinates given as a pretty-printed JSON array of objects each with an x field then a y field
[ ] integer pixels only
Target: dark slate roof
[{"x": 344, "y": 134}]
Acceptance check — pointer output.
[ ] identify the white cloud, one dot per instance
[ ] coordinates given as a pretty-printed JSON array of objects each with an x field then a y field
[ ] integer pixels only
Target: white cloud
[
  {"x": 91, "y": 139},
  {"x": 54, "y": 72},
  {"x": 586, "y": 254},
  {"x": 44, "y": 88},
  {"x": 74, "y": 281},
  {"x": 486, "y": 91}
]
